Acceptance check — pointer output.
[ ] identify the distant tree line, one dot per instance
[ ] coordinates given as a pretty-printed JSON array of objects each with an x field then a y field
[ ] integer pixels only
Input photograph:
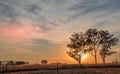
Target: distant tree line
[
  {"x": 92, "y": 41},
  {"x": 8, "y": 63}
]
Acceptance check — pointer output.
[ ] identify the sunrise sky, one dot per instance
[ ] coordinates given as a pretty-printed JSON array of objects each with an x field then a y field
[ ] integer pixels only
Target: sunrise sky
[{"x": 33, "y": 30}]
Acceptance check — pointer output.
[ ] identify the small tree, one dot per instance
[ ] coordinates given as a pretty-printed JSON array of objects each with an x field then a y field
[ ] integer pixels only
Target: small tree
[
  {"x": 76, "y": 45},
  {"x": 107, "y": 42},
  {"x": 44, "y": 62}
]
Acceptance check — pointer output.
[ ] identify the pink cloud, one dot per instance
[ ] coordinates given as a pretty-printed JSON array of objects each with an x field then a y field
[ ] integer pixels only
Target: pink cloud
[{"x": 21, "y": 31}]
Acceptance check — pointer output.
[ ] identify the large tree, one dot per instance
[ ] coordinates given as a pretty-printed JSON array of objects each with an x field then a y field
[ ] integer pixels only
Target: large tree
[
  {"x": 107, "y": 42},
  {"x": 76, "y": 45},
  {"x": 93, "y": 40}
]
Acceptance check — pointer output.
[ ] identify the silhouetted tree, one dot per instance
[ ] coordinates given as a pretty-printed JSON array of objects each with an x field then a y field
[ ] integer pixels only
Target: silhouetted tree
[
  {"x": 107, "y": 42},
  {"x": 44, "y": 62},
  {"x": 10, "y": 63},
  {"x": 0, "y": 62},
  {"x": 20, "y": 62},
  {"x": 27, "y": 62},
  {"x": 93, "y": 40},
  {"x": 77, "y": 46}
]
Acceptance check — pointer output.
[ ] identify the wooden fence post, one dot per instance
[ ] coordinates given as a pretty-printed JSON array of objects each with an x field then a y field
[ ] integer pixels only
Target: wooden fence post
[{"x": 57, "y": 68}]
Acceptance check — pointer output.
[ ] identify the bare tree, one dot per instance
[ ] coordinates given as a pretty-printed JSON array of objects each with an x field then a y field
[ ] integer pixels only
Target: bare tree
[
  {"x": 77, "y": 45},
  {"x": 107, "y": 42}
]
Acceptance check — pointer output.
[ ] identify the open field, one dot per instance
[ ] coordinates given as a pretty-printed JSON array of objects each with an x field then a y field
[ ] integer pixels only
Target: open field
[
  {"x": 74, "y": 71},
  {"x": 62, "y": 69}
]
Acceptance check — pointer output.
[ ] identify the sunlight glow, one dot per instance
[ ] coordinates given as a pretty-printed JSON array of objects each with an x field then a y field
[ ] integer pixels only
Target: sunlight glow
[{"x": 84, "y": 56}]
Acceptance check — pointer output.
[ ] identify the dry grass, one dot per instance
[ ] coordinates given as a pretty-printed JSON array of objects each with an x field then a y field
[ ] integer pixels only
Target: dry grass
[
  {"x": 64, "y": 69},
  {"x": 75, "y": 71}
]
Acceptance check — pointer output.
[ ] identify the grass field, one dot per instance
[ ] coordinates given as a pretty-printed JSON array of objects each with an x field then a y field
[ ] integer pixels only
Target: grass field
[
  {"x": 74, "y": 71},
  {"x": 63, "y": 69}
]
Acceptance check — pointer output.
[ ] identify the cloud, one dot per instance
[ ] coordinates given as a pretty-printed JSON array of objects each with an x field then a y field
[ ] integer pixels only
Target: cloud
[
  {"x": 42, "y": 10},
  {"x": 55, "y": 16},
  {"x": 45, "y": 10},
  {"x": 7, "y": 13},
  {"x": 18, "y": 31},
  {"x": 40, "y": 25},
  {"x": 95, "y": 6}
]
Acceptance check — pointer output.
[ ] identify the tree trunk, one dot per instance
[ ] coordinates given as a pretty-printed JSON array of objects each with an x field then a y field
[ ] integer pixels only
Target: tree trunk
[
  {"x": 103, "y": 58},
  {"x": 95, "y": 54},
  {"x": 95, "y": 58},
  {"x": 79, "y": 60}
]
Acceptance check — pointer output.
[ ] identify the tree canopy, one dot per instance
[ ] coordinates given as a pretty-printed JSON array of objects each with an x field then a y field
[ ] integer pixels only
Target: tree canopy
[
  {"x": 92, "y": 41},
  {"x": 76, "y": 45}
]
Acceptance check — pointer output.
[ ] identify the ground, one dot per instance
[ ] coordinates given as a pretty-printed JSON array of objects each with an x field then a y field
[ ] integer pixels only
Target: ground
[
  {"x": 62, "y": 69},
  {"x": 74, "y": 71}
]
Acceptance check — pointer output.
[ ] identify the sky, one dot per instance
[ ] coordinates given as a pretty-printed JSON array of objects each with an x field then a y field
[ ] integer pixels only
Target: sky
[{"x": 33, "y": 30}]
